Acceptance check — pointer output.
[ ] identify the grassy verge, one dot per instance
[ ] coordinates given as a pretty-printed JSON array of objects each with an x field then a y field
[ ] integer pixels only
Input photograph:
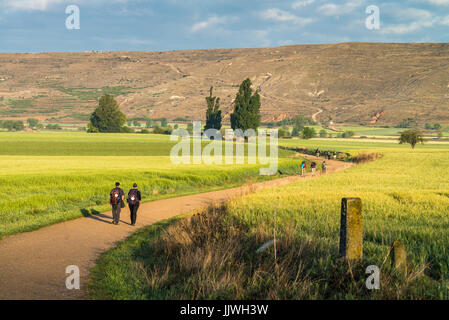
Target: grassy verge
[{"x": 213, "y": 255}]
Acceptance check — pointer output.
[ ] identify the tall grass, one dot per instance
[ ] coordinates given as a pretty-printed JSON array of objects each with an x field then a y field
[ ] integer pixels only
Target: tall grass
[
  {"x": 405, "y": 197},
  {"x": 213, "y": 255}
]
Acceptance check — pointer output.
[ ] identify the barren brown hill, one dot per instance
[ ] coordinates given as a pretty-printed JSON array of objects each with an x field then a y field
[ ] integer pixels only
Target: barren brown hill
[{"x": 350, "y": 82}]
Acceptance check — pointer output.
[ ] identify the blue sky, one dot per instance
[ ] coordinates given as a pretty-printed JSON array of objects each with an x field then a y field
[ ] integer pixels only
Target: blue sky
[{"x": 110, "y": 25}]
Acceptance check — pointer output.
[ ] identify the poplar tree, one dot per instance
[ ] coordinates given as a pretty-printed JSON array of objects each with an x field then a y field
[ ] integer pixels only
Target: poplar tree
[
  {"x": 246, "y": 113},
  {"x": 213, "y": 113}
]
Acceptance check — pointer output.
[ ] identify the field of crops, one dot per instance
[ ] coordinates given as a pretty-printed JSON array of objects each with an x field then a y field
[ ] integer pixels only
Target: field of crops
[
  {"x": 47, "y": 178},
  {"x": 405, "y": 197}
]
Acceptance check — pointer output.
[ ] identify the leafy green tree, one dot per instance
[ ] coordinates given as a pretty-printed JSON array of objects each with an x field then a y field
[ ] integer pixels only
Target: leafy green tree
[
  {"x": 428, "y": 126},
  {"x": 164, "y": 122},
  {"x": 295, "y": 132},
  {"x": 407, "y": 123},
  {"x": 436, "y": 126},
  {"x": 136, "y": 123},
  {"x": 213, "y": 113},
  {"x": 8, "y": 124},
  {"x": 323, "y": 133},
  {"x": 246, "y": 113},
  {"x": 11, "y": 125},
  {"x": 412, "y": 137},
  {"x": 149, "y": 123},
  {"x": 32, "y": 123},
  {"x": 18, "y": 125},
  {"x": 107, "y": 117},
  {"x": 347, "y": 134},
  {"x": 283, "y": 132},
  {"x": 300, "y": 121},
  {"x": 190, "y": 128},
  {"x": 308, "y": 133}
]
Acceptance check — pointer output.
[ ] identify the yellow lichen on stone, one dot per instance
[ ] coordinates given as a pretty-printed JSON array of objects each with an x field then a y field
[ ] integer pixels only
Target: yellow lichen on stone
[{"x": 351, "y": 233}]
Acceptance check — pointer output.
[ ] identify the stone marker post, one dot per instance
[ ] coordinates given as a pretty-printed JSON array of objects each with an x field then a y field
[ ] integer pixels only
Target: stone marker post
[
  {"x": 399, "y": 256},
  {"x": 351, "y": 231}
]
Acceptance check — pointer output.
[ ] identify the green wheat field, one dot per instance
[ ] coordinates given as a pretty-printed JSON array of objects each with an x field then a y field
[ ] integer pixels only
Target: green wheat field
[
  {"x": 405, "y": 197},
  {"x": 46, "y": 178}
]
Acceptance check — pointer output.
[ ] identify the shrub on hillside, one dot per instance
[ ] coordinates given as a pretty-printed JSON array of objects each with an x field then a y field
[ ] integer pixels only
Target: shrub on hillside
[
  {"x": 53, "y": 127},
  {"x": 162, "y": 130},
  {"x": 126, "y": 129}
]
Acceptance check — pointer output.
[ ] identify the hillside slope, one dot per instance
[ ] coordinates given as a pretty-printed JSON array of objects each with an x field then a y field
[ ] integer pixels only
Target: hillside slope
[{"x": 350, "y": 82}]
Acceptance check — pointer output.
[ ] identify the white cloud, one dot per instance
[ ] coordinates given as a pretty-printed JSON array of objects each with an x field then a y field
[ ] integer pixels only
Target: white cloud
[
  {"x": 284, "y": 16},
  {"x": 302, "y": 3},
  {"x": 31, "y": 5},
  {"x": 262, "y": 37},
  {"x": 445, "y": 21},
  {"x": 332, "y": 9},
  {"x": 439, "y": 2},
  {"x": 44, "y": 5},
  {"x": 414, "y": 20},
  {"x": 209, "y": 23},
  {"x": 404, "y": 28}
]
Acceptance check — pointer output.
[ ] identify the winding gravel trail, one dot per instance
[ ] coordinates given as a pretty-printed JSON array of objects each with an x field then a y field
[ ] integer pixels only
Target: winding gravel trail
[{"x": 33, "y": 264}]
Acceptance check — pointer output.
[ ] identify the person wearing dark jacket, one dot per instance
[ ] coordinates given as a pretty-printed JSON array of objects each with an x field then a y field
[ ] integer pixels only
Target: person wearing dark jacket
[
  {"x": 134, "y": 198},
  {"x": 116, "y": 198},
  {"x": 324, "y": 166}
]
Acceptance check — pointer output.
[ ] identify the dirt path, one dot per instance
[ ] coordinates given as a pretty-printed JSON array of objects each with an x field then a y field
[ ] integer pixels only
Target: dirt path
[
  {"x": 32, "y": 265},
  {"x": 316, "y": 115}
]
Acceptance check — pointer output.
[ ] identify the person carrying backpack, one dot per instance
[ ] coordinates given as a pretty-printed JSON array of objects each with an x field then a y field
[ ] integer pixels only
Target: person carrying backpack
[
  {"x": 116, "y": 198},
  {"x": 313, "y": 166},
  {"x": 134, "y": 198},
  {"x": 303, "y": 167}
]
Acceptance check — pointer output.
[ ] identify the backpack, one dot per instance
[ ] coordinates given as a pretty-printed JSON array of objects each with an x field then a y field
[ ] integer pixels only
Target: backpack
[
  {"x": 115, "y": 196},
  {"x": 132, "y": 197}
]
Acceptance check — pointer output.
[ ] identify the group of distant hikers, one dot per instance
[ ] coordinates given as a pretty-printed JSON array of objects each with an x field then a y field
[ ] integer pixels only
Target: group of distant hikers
[
  {"x": 117, "y": 201},
  {"x": 327, "y": 154},
  {"x": 313, "y": 164}
]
